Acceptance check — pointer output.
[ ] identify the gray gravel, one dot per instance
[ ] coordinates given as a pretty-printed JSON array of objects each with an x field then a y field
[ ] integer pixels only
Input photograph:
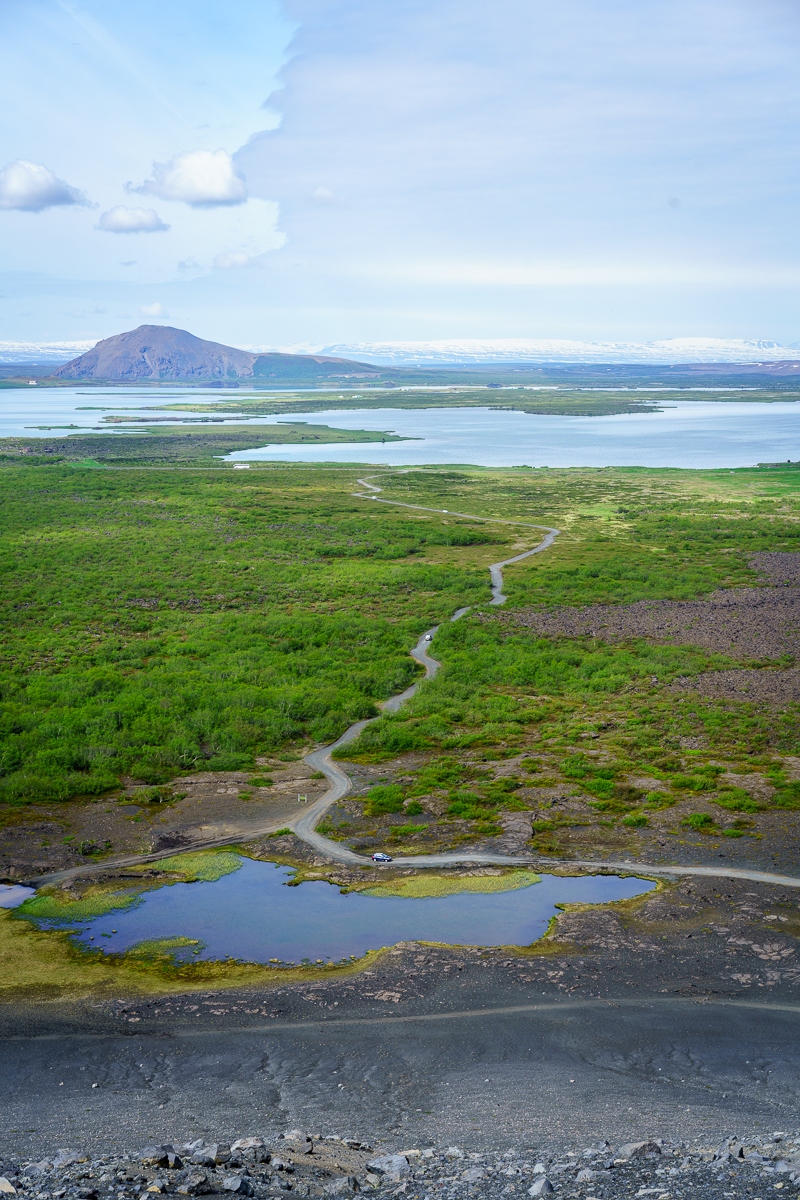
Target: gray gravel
[{"x": 312, "y": 1164}]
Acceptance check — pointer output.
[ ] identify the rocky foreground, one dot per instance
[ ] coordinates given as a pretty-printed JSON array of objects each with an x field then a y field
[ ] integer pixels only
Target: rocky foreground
[{"x": 311, "y": 1165}]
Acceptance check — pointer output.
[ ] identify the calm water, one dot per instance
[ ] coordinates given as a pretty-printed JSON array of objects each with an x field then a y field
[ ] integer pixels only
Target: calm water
[
  {"x": 688, "y": 433},
  {"x": 700, "y": 434},
  {"x": 14, "y": 894},
  {"x": 252, "y": 915}
]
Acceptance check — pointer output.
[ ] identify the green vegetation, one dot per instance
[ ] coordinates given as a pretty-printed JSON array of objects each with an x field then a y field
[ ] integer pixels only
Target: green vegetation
[
  {"x": 702, "y": 821},
  {"x": 422, "y": 887},
  {"x": 160, "y": 622},
  {"x": 164, "y": 444},
  {"x": 56, "y": 908},
  {"x": 737, "y": 800},
  {"x": 205, "y": 865},
  {"x": 165, "y": 952},
  {"x": 491, "y": 690}
]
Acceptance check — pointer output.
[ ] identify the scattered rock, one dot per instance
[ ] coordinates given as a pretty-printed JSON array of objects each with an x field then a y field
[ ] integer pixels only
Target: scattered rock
[
  {"x": 395, "y": 1166},
  {"x": 238, "y": 1184},
  {"x": 638, "y": 1149},
  {"x": 195, "y": 1184},
  {"x": 542, "y": 1187}
]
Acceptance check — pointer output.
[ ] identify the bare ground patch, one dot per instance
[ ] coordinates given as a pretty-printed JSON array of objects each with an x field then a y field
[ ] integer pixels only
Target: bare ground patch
[
  {"x": 774, "y": 688},
  {"x": 754, "y": 623}
]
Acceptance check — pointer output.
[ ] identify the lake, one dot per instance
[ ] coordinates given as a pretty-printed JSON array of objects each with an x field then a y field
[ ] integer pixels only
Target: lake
[
  {"x": 250, "y": 914},
  {"x": 701, "y": 433}
]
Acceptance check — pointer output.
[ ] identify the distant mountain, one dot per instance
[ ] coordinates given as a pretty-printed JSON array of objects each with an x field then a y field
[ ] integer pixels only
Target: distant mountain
[
  {"x": 472, "y": 351},
  {"x": 163, "y": 353}
]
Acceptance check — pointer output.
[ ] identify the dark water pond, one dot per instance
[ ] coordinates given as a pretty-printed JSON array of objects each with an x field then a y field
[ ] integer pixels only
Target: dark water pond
[{"x": 251, "y": 914}]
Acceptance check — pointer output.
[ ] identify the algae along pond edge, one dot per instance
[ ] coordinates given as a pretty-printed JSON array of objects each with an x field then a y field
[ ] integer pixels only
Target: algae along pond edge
[{"x": 249, "y": 914}]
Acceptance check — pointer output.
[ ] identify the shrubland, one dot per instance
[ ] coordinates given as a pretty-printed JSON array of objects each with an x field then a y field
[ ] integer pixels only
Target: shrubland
[{"x": 161, "y": 621}]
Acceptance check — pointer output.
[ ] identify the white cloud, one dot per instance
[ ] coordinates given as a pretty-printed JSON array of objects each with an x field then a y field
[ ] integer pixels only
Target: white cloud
[
  {"x": 323, "y": 195},
  {"x": 32, "y": 187},
  {"x": 153, "y": 310},
  {"x": 201, "y": 178},
  {"x": 131, "y": 220},
  {"x": 236, "y": 258}
]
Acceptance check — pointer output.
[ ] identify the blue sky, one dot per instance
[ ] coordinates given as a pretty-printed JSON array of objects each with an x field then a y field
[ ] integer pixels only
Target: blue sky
[{"x": 314, "y": 171}]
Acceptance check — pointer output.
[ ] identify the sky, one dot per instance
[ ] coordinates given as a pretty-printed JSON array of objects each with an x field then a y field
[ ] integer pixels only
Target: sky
[{"x": 297, "y": 173}]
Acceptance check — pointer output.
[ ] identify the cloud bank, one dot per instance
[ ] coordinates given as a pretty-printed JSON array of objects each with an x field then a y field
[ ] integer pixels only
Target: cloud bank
[
  {"x": 32, "y": 187},
  {"x": 131, "y": 220},
  {"x": 200, "y": 178}
]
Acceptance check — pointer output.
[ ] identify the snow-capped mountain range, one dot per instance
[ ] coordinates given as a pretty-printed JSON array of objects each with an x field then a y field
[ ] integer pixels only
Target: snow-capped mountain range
[
  {"x": 466, "y": 351},
  {"x": 561, "y": 350},
  {"x": 42, "y": 352}
]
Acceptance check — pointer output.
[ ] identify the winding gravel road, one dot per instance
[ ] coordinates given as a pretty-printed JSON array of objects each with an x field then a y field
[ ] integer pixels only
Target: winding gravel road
[{"x": 340, "y": 782}]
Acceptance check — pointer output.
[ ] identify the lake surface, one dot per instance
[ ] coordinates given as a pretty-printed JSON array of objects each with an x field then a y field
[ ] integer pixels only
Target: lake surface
[
  {"x": 699, "y": 433},
  {"x": 251, "y": 914}
]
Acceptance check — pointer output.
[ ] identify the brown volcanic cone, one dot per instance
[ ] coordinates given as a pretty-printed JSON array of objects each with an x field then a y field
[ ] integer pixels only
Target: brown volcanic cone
[{"x": 158, "y": 352}]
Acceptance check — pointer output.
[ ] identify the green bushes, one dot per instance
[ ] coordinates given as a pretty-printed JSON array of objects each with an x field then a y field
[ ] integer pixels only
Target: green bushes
[
  {"x": 404, "y": 831},
  {"x": 158, "y": 622},
  {"x": 787, "y": 795},
  {"x": 701, "y": 821},
  {"x": 737, "y": 800},
  {"x": 384, "y": 798}
]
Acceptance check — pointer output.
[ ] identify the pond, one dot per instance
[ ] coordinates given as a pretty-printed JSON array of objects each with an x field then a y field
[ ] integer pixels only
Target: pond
[
  {"x": 251, "y": 915},
  {"x": 14, "y": 894}
]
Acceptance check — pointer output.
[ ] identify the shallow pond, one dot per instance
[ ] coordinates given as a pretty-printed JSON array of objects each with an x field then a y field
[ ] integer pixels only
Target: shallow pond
[
  {"x": 250, "y": 914},
  {"x": 14, "y": 894}
]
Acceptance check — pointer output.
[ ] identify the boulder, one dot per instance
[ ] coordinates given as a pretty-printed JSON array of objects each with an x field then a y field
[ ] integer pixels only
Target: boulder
[
  {"x": 473, "y": 1173},
  {"x": 238, "y": 1184},
  {"x": 542, "y": 1187},
  {"x": 454, "y": 1152},
  {"x": 638, "y": 1149},
  {"x": 39, "y": 1168},
  {"x": 393, "y": 1166},
  {"x": 7, "y": 1188},
  {"x": 341, "y": 1187},
  {"x": 156, "y": 1156},
  {"x": 202, "y": 1158},
  {"x": 65, "y": 1158},
  {"x": 195, "y": 1184}
]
